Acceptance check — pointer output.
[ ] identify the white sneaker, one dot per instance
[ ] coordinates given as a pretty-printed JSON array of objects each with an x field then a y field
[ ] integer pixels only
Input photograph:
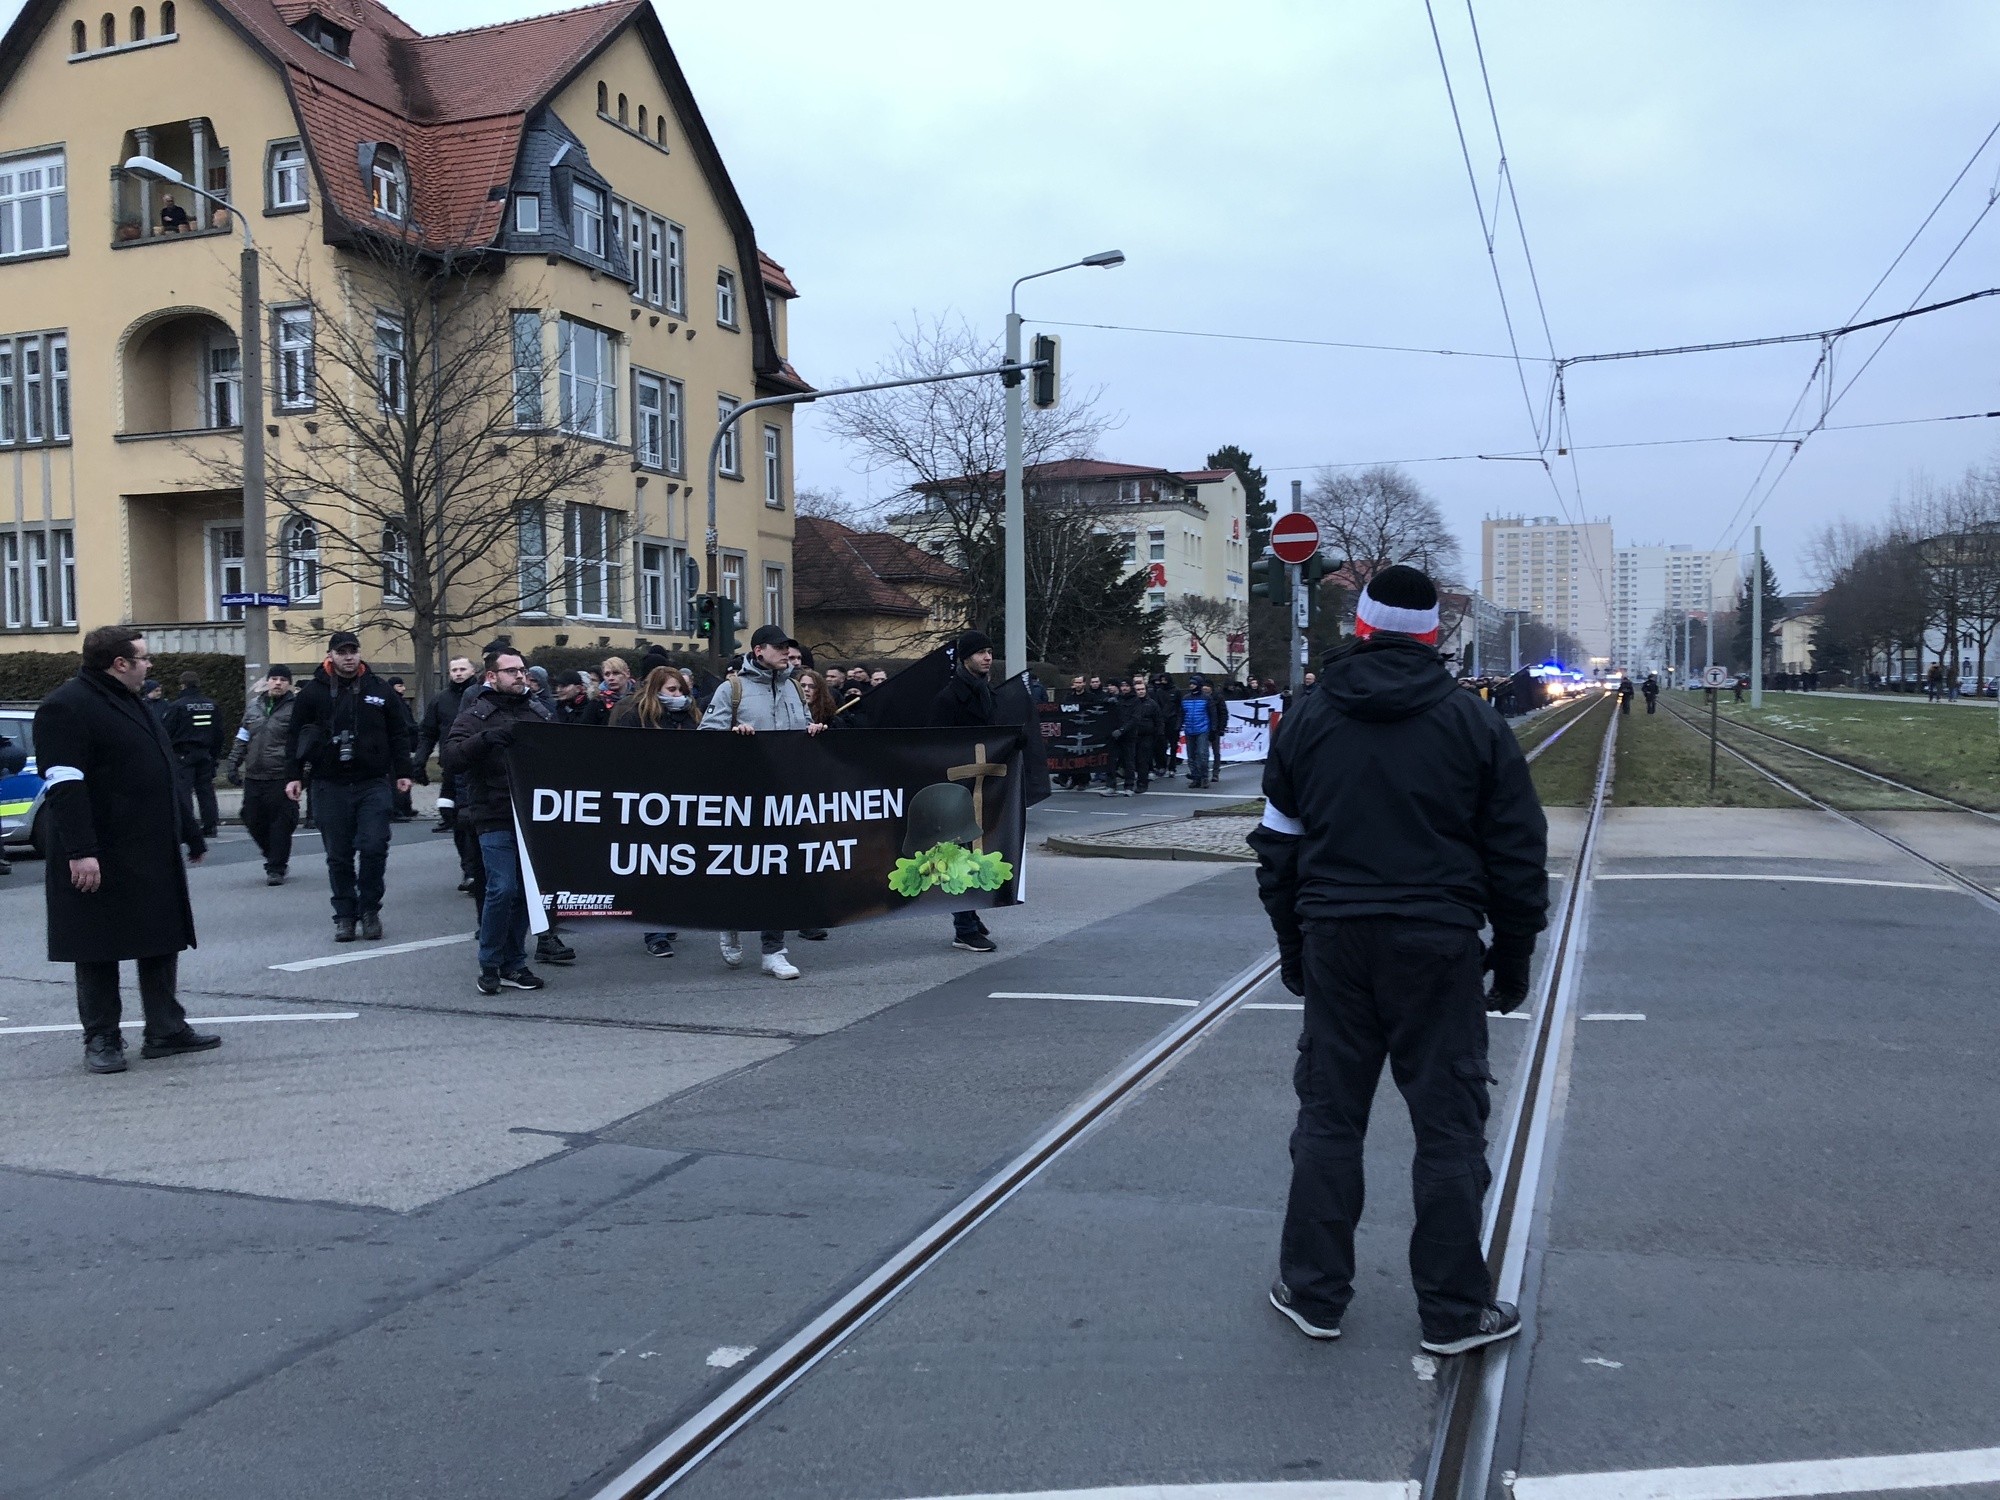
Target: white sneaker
[
  {"x": 778, "y": 966},
  {"x": 732, "y": 949}
]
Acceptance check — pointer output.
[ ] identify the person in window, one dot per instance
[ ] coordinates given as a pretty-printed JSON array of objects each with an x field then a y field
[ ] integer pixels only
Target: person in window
[{"x": 173, "y": 218}]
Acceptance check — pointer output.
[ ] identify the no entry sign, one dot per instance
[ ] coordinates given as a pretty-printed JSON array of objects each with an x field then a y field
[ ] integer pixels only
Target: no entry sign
[{"x": 1294, "y": 537}]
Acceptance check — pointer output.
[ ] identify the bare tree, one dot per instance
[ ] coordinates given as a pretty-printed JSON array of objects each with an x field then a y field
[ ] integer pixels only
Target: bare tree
[
  {"x": 429, "y": 465},
  {"x": 833, "y": 505},
  {"x": 1379, "y": 517},
  {"x": 947, "y": 444},
  {"x": 1218, "y": 627}
]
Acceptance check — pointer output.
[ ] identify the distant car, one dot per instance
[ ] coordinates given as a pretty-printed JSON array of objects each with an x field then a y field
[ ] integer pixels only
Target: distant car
[{"x": 22, "y": 789}]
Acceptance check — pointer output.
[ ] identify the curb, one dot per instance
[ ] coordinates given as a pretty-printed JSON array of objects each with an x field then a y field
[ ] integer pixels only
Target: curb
[{"x": 1092, "y": 850}]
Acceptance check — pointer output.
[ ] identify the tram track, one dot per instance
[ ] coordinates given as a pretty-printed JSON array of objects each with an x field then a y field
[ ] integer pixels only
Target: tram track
[
  {"x": 1966, "y": 883},
  {"x": 1563, "y": 728},
  {"x": 1859, "y": 770}
]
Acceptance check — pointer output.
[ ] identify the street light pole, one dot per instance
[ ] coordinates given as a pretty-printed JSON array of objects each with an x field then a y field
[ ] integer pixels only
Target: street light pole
[
  {"x": 1014, "y": 518},
  {"x": 250, "y": 356},
  {"x": 1757, "y": 624}
]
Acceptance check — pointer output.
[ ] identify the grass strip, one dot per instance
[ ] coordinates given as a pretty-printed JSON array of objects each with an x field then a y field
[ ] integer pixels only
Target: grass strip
[
  {"x": 1664, "y": 763},
  {"x": 1952, "y": 751},
  {"x": 1566, "y": 775}
]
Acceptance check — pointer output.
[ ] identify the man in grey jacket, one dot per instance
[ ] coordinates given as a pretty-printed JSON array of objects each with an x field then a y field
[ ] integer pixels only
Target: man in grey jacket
[
  {"x": 760, "y": 694},
  {"x": 257, "y": 764}
]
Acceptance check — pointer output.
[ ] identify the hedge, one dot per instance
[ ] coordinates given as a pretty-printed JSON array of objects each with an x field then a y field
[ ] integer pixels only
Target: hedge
[{"x": 30, "y": 676}]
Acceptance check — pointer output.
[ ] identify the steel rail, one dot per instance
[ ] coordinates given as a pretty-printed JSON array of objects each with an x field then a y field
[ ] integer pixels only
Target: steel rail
[
  {"x": 676, "y": 1455},
  {"x": 1563, "y": 729},
  {"x": 1463, "y": 1445},
  {"x": 1845, "y": 765},
  {"x": 1970, "y": 886}
]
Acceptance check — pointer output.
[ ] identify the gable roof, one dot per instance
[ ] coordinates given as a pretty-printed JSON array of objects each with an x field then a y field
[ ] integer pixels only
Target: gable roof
[{"x": 836, "y": 569}]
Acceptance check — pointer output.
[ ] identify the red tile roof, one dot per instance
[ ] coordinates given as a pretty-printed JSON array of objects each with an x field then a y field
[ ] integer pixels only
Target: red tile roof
[
  {"x": 836, "y": 569},
  {"x": 774, "y": 276},
  {"x": 1204, "y": 476}
]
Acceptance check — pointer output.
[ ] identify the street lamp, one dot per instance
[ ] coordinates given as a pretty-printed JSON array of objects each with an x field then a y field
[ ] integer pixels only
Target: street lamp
[
  {"x": 1016, "y": 513},
  {"x": 256, "y": 627}
]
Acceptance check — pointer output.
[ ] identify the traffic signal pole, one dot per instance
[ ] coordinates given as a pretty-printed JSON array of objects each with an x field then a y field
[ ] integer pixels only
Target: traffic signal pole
[{"x": 1301, "y": 608}]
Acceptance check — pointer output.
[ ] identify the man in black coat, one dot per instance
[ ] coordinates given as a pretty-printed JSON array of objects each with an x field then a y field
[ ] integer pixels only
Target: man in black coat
[
  {"x": 1399, "y": 819},
  {"x": 431, "y": 730},
  {"x": 194, "y": 728},
  {"x": 351, "y": 741},
  {"x": 966, "y": 702},
  {"x": 115, "y": 885}
]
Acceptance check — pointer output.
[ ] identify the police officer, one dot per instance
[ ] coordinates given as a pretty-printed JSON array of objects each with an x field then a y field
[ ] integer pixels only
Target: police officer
[
  {"x": 1399, "y": 819},
  {"x": 195, "y": 730}
]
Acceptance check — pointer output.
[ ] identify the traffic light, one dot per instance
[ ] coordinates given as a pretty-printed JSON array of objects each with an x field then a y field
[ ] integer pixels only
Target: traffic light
[
  {"x": 1045, "y": 388},
  {"x": 728, "y": 615},
  {"x": 704, "y": 616},
  {"x": 1273, "y": 582},
  {"x": 1311, "y": 571}
]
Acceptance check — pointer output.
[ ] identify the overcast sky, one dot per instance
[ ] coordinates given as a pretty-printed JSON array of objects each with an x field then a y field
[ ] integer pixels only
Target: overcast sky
[{"x": 1687, "y": 172}]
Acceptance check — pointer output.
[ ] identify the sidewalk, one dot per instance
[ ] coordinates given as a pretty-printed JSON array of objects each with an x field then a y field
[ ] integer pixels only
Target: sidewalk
[{"x": 1192, "y": 838}]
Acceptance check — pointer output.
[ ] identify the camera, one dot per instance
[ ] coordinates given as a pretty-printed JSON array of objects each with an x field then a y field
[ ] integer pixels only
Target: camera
[{"x": 343, "y": 744}]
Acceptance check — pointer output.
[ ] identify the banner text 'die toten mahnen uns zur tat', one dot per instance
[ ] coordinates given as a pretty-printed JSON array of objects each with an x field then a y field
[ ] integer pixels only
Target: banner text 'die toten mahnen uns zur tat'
[{"x": 782, "y": 830}]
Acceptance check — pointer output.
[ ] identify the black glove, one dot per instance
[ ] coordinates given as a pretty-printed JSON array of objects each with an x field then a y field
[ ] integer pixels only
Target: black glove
[
  {"x": 423, "y": 776},
  {"x": 235, "y": 777},
  {"x": 1509, "y": 960},
  {"x": 1292, "y": 971}
]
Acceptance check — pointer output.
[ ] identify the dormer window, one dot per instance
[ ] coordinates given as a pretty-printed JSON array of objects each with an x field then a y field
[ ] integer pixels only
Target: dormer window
[
  {"x": 328, "y": 36},
  {"x": 388, "y": 183}
]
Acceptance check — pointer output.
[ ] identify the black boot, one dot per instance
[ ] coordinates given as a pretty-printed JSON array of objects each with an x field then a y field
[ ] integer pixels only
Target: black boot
[
  {"x": 104, "y": 1054},
  {"x": 187, "y": 1039},
  {"x": 343, "y": 929},
  {"x": 371, "y": 925}
]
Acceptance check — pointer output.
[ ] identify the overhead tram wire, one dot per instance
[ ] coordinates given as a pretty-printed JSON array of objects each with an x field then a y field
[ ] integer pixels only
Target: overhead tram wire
[{"x": 1265, "y": 338}]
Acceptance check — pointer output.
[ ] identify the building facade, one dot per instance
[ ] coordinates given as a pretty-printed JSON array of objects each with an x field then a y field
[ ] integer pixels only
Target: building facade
[
  {"x": 870, "y": 597},
  {"x": 1556, "y": 571},
  {"x": 1652, "y": 584},
  {"x": 561, "y": 160}
]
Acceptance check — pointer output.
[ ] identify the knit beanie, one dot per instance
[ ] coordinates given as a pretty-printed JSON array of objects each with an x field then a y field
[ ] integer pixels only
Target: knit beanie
[
  {"x": 970, "y": 643},
  {"x": 1400, "y": 600}
]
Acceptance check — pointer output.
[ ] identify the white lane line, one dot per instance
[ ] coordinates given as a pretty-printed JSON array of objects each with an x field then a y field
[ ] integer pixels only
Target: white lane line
[
  {"x": 1832, "y": 1476},
  {"x": 1111, "y": 999},
  {"x": 1615, "y": 1015},
  {"x": 299, "y": 966},
  {"x": 1310, "y": 1489},
  {"x": 1897, "y": 885},
  {"x": 1275, "y": 1005},
  {"x": 338, "y": 1015}
]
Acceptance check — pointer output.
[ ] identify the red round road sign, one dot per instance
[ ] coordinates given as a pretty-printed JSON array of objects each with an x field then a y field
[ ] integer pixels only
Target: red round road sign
[{"x": 1294, "y": 537}]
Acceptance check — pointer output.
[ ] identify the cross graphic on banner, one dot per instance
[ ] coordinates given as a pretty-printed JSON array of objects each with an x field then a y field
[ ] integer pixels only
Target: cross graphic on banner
[{"x": 977, "y": 773}]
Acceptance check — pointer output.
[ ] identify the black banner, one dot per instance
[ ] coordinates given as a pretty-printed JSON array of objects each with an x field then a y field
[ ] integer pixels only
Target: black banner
[
  {"x": 766, "y": 831},
  {"x": 1076, "y": 737}
]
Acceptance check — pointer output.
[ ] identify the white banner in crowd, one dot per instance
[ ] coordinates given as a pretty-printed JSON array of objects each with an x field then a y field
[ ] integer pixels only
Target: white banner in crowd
[{"x": 1251, "y": 721}]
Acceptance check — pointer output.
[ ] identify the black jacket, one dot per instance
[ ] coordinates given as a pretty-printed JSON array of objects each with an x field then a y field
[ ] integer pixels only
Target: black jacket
[
  {"x": 1145, "y": 718},
  {"x": 1391, "y": 793},
  {"x": 476, "y": 753},
  {"x": 112, "y": 794},
  {"x": 330, "y": 707},
  {"x": 437, "y": 719},
  {"x": 965, "y": 702},
  {"x": 194, "y": 725}
]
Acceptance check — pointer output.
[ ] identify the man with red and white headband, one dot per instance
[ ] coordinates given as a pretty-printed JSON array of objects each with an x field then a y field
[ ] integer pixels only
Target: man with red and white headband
[{"x": 1399, "y": 821}]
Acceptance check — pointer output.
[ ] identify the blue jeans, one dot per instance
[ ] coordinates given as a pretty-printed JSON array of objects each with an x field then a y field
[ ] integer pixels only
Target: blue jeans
[
  {"x": 503, "y": 919},
  {"x": 353, "y": 818},
  {"x": 1197, "y": 757}
]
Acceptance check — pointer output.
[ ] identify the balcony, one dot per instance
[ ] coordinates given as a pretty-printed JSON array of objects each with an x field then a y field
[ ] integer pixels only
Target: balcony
[
  {"x": 218, "y": 636},
  {"x": 181, "y": 373},
  {"x": 145, "y": 212}
]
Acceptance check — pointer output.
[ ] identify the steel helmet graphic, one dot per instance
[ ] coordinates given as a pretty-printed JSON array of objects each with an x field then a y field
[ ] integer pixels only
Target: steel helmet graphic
[{"x": 940, "y": 814}]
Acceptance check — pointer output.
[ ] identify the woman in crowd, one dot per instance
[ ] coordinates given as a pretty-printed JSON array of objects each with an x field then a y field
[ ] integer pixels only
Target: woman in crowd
[
  {"x": 819, "y": 703},
  {"x": 665, "y": 700}
]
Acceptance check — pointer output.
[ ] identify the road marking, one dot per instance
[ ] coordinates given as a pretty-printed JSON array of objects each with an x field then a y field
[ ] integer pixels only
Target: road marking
[
  {"x": 1615, "y": 1015},
  {"x": 1112, "y": 999},
  {"x": 730, "y": 1355},
  {"x": 1832, "y": 1476},
  {"x": 1899, "y": 885},
  {"x": 340, "y": 1015},
  {"x": 1275, "y": 1005},
  {"x": 299, "y": 966},
  {"x": 1284, "y": 1489}
]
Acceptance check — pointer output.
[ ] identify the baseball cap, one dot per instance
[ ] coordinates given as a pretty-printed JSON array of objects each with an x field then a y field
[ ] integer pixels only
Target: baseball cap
[{"x": 769, "y": 635}]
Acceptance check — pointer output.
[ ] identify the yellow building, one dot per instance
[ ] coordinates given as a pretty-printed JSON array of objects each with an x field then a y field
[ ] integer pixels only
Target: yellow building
[
  {"x": 559, "y": 165},
  {"x": 871, "y": 596}
]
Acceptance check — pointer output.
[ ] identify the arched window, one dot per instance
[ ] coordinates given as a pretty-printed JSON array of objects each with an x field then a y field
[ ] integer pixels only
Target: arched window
[
  {"x": 301, "y": 559},
  {"x": 621, "y": 109},
  {"x": 603, "y": 98},
  {"x": 109, "y": 27},
  {"x": 395, "y": 565},
  {"x": 166, "y": 17},
  {"x": 138, "y": 23},
  {"x": 660, "y": 129},
  {"x": 79, "y": 37},
  {"x": 642, "y": 119}
]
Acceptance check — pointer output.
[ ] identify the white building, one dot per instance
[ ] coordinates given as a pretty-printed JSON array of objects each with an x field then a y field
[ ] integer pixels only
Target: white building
[
  {"x": 1650, "y": 581},
  {"x": 1556, "y": 571}
]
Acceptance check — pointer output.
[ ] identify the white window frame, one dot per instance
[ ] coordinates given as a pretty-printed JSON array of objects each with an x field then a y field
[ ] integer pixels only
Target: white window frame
[
  {"x": 530, "y": 370},
  {"x": 1156, "y": 544},
  {"x": 58, "y": 360},
  {"x": 676, "y": 270},
  {"x": 294, "y": 362},
  {"x": 774, "y": 595},
  {"x": 594, "y": 554},
  {"x": 587, "y": 360},
  {"x": 395, "y": 565},
  {"x": 389, "y": 184},
  {"x": 10, "y": 430},
  {"x": 531, "y": 558},
  {"x": 225, "y": 557},
  {"x": 13, "y": 582},
  {"x": 656, "y": 585},
  {"x": 527, "y": 213},
  {"x": 587, "y": 209},
  {"x": 676, "y": 418},
  {"x": 725, "y": 297},
  {"x": 649, "y": 422},
  {"x": 285, "y": 177},
  {"x": 732, "y": 578},
  {"x": 35, "y": 544},
  {"x": 392, "y": 367},
  {"x": 302, "y": 559},
  {"x": 34, "y": 204},
  {"x": 634, "y": 248},
  {"x": 774, "y": 467},
  {"x": 729, "y": 461},
  {"x": 34, "y": 382},
  {"x": 222, "y": 383}
]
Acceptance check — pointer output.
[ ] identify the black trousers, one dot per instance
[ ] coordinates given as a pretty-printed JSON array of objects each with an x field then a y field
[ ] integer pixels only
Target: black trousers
[
  {"x": 198, "y": 784},
  {"x": 1409, "y": 992},
  {"x": 97, "y": 1004},
  {"x": 271, "y": 817},
  {"x": 353, "y": 821},
  {"x": 1651, "y": 700}
]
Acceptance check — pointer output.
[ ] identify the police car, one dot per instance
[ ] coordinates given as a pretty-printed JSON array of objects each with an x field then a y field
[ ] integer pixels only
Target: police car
[{"x": 21, "y": 790}]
